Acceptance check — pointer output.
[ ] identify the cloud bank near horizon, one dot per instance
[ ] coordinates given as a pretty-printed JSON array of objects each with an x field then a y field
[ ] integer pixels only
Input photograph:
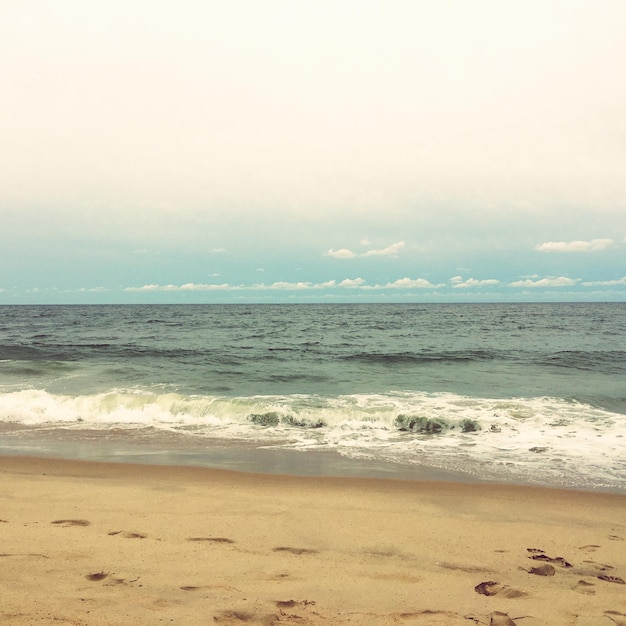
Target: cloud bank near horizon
[{"x": 575, "y": 246}]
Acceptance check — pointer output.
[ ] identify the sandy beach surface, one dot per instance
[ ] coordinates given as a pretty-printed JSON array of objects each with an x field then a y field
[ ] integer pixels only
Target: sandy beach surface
[{"x": 98, "y": 543}]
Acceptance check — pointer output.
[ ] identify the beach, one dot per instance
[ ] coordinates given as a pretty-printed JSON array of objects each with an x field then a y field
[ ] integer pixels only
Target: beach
[
  {"x": 305, "y": 464},
  {"x": 117, "y": 543}
]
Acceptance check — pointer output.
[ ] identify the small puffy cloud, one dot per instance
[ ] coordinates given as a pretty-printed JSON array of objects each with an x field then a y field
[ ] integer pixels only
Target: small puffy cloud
[
  {"x": 459, "y": 283},
  {"x": 411, "y": 283},
  {"x": 290, "y": 286},
  {"x": 344, "y": 253},
  {"x": 145, "y": 288},
  {"x": 351, "y": 282},
  {"x": 202, "y": 287},
  {"x": 391, "y": 250},
  {"x": 561, "y": 281},
  {"x": 575, "y": 246},
  {"x": 218, "y": 250}
]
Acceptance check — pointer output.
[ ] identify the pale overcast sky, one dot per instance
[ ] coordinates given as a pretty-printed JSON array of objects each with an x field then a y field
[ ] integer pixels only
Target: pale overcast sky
[{"x": 291, "y": 150}]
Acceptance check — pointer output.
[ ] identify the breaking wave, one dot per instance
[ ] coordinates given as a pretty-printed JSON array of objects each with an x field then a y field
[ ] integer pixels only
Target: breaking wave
[{"x": 539, "y": 439}]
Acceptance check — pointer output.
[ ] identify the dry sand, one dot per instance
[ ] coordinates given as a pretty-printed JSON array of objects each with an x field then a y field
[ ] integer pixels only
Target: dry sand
[{"x": 95, "y": 543}]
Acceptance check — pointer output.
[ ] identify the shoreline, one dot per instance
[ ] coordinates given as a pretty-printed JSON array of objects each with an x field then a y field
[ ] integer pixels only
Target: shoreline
[
  {"x": 243, "y": 456},
  {"x": 155, "y": 449},
  {"x": 95, "y": 543}
]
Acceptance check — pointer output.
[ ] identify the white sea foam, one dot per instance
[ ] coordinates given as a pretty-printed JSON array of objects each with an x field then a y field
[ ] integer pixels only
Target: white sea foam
[{"x": 529, "y": 439}]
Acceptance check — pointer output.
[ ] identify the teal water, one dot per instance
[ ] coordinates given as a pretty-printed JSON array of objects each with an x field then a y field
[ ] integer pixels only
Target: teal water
[{"x": 524, "y": 392}]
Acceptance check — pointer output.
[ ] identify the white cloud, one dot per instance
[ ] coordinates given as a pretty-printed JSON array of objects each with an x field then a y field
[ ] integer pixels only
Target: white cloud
[
  {"x": 145, "y": 288},
  {"x": 275, "y": 286},
  {"x": 410, "y": 283},
  {"x": 346, "y": 283},
  {"x": 575, "y": 246},
  {"x": 459, "y": 283},
  {"x": 391, "y": 250},
  {"x": 360, "y": 284},
  {"x": 605, "y": 283},
  {"x": 344, "y": 253},
  {"x": 352, "y": 282},
  {"x": 561, "y": 281},
  {"x": 218, "y": 250},
  {"x": 287, "y": 285},
  {"x": 185, "y": 287}
]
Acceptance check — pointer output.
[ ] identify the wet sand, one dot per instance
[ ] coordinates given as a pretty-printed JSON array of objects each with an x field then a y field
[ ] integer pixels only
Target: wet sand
[{"x": 101, "y": 543}]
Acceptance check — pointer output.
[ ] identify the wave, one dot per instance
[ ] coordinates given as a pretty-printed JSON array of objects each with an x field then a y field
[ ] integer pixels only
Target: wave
[
  {"x": 402, "y": 358},
  {"x": 539, "y": 439},
  {"x": 402, "y": 411},
  {"x": 606, "y": 361}
]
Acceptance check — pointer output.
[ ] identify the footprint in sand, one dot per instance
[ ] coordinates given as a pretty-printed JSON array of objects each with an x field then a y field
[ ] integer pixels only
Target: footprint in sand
[
  {"x": 612, "y": 579},
  {"x": 237, "y": 617},
  {"x": 559, "y": 560},
  {"x": 600, "y": 567},
  {"x": 582, "y": 586},
  {"x": 292, "y": 610},
  {"x": 617, "y": 617},
  {"x": 592, "y": 547},
  {"x": 540, "y": 555},
  {"x": 296, "y": 551},
  {"x": 428, "y": 617},
  {"x": 290, "y": 604},
  {"x": 98, "y": 576},
  {"x": 127, "y": 535},
  {"x": 497, "y": 618},
  {"x": 493, "y": 588},
  {"x": 71, "y": 522},
  {"x": 542, "y": 570},
  {"x": 211, "y": 539}
]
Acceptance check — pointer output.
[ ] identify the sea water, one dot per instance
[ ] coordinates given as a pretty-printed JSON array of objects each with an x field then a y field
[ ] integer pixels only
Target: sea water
[{"x": 526, "y": 393}]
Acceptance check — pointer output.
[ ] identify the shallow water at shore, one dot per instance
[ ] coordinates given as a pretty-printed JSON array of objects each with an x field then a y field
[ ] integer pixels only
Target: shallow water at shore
[{"x": 157, "y": 448}]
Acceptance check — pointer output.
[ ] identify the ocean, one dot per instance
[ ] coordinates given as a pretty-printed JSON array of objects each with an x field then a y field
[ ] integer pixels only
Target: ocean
[{"x": 519, "y": 393}]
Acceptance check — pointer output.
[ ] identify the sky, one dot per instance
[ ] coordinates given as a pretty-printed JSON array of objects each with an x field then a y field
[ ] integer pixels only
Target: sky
[{"x": 312, "y": 151}]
